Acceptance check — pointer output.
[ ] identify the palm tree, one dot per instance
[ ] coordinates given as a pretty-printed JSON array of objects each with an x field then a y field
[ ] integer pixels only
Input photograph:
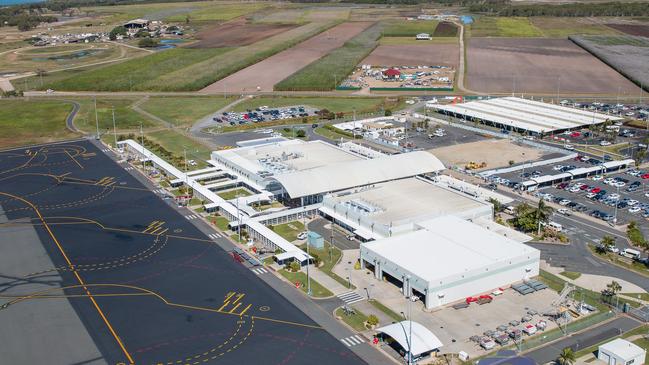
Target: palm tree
[
  {"x": 608, "y": 240},
  {"x": 566, "y": 357},
  {"x": 542, "y": 213}
]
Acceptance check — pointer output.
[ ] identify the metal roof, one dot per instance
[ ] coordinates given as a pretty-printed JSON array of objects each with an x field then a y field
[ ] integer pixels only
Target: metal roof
[
  {"x": 423, "y": 340},
  {"x": 622, "y": 348},
  {"x": 348, "y": 174}
]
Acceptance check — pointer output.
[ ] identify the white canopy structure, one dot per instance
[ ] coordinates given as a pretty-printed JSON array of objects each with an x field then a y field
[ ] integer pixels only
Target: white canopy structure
[
  {"x": 349, "y": 174},
  {"x": 423, "y": 340}
]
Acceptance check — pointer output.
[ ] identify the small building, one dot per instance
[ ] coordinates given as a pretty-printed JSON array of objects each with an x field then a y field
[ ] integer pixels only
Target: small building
[
  {"x": 621, "y": 352},
  {"x": 391, "y": 74},
  {"x": 423, "y": 37},
  {"x": 315, "y": 240},
  {"x": 410, "y": 336},
  {"x": 137, "y": 24}
]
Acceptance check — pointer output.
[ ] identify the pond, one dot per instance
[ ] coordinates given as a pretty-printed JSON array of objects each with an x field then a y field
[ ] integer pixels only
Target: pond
[{"x": 68, "y": 56}]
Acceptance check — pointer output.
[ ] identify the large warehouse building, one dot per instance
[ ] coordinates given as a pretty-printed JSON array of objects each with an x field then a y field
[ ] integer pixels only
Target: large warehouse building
[
  {"x": 523, "y": 115},
  {"x": 448, "y": 259}
]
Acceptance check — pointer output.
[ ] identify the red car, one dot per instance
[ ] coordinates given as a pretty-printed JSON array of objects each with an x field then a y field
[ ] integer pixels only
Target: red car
[
  {"x": 471, "y": 299},
  {"x": 595, "y": 190},
  {"x": 575, "y": 134},
  {"x": 645, "y": 176},
  {"x": 584, "y": 187}
]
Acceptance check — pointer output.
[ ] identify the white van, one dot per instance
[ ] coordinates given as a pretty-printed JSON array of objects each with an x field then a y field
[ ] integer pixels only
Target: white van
[
  {"x": 555, "y": 226},
  {"x": 510, "y": 210},
  {"x": 630, "y": 253}
]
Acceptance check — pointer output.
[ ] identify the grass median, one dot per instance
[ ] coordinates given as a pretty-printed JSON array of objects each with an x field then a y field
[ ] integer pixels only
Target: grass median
[{"x": 317, "y": 290}]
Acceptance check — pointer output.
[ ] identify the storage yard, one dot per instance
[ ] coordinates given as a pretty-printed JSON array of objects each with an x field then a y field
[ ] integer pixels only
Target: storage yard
[
  {"x": 402, "y": 77},
  {"x": 493, "y": 152},
  {"x": 263, "y": 75},
  {"x": 535, "y": 65}
]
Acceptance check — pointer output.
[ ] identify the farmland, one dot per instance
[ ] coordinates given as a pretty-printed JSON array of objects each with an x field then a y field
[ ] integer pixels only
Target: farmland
[
  {"x": 563, "y": 27},
  {"x": 408, "y": 28},
  {"x": 263, "y": 75},
  {"x": 632, "y": 29},
  {"x": 27, "y": 122},
  {"x": 137, "y": 74},
  {"x": 201, "y": 74},
  {"x": 325, "y": 73},
  {"x": 626, "y": 54},
  {"x": 503, "y": 27},
  {"x": 183, "y": 111},
  {"x": 237, "y": 33},
  {"x": 539, "y": 65},
  {"x": 445, "y": 29}
]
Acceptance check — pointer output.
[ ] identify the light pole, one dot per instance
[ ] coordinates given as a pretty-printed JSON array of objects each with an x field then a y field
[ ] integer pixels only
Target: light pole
[
  {"x": 114, "y": 127},
  {"x": 308, "y": 256},
  {"x": 96, "y": 118},
  {"x": 411, "y": 299}
]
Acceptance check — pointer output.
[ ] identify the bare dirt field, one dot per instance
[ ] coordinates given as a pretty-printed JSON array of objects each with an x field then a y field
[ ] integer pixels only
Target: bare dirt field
[
  {"x": 414, "y": 55},
  {"x": 537, "y": 65},
  {"x": 495, "y": 152},
  {"x": 237, "y": 33},
  {"x": 263, "y": 75},
  {"x": 632, "y": 29}
]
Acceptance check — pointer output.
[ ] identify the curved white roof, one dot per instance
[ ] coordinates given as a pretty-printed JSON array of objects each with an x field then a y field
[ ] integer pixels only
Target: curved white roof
[
  {"x": 348, "y": 174},
  {"x": 422, "y": 339}
]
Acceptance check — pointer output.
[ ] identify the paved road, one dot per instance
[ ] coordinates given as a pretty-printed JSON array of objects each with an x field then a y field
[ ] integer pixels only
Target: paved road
[
  {"x": 69, "y": 121},
  {"x": 340, "y": 239},
  {"x": 585, "y": 339}
]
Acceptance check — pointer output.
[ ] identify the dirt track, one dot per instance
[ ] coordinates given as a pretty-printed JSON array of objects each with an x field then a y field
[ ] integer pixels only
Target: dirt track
[
  {"x": 237, "y": 33},
  {"x": 263, "y": 75},
  {"x": 535, "y": 65},
  {"x": 430, "y": 54}
]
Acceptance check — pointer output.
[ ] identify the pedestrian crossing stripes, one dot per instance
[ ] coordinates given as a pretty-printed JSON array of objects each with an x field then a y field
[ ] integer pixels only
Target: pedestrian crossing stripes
[
  {"x": 105, "y": 150},
  {"x": 259, "y": 271},
  {"x": 191, "y": 216},
  {"x": 350, "y": 297},
  {"x": 215, "y": 235},
  {"x": 129, "y": 168},
  {"x": 352, "y": 340},
  {"x": 159, "y": 191}
]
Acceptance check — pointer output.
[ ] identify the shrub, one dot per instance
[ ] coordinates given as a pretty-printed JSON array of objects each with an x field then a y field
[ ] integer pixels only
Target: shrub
[
  {"x": 372, "y": 320},
  {"x": 294, "y": 266}
]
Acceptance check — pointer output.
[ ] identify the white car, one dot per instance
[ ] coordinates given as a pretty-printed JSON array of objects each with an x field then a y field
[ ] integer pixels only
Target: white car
[
  {"x": 597, "y": 177},
  {"x": 564, "y": 202},
  {"x": 564, "y": 211},
  {"x": 604, "y": 143},
  {"x": 302, "y": 236},
  {"x": 632, "y": 202},
  {"x": 614, "y": 196},
  {"x": 634, "y": 210},
  {"x": 557, "y": 167},
  {"x": 646, "y": 195},
  {"x": 609, "y": 181},
  {"x": 574, "y": 189},
  {"x": 619, "y": 184},
  {"x": 569, "y": 147}
]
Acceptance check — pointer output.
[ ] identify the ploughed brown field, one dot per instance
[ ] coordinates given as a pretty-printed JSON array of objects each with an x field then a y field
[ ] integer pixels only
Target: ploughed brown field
[
  {"x": 237, "y": 33},
  {"x": 264, "y": 75},
  {"x": 540, "y": 65},
  {"x": 429, "y": 54},
  {"x": 632, "y": 29}
]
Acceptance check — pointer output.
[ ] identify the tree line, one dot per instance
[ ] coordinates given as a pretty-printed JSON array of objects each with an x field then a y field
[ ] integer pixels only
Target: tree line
[
  {"x": 616, "y": 8},
  {"x": 25, "y": 17}
]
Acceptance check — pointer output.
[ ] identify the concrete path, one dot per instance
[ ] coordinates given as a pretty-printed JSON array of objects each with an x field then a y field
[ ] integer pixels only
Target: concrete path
[
  {"x": 593, "y": 282},
  {"x": 5, "y": 85},
  {"x": 326, "y": 281}
]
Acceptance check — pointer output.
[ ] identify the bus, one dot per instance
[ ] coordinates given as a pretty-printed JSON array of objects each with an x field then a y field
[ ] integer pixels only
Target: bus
[{"x": 630, "y": 253}]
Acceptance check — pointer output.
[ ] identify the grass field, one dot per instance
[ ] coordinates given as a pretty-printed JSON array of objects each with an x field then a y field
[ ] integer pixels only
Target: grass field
[
  {"x": 220, "y": 222},
  {"x": 504, "y": 27},
  {"x": 232, "y": 194},
  {"x": 325, "y": 73},
  {"x": 389, "y": 312},
  {"x": 125, "y": 117},
  {"x": 206, "y": 72},
  {"x": 58, "y": 57},
  {"x": 334, "y": 104},
  {"x": 554, "y": 27},
  {"x": 27, "y": 122},
  {"x": 355, "y": 321},
  {"x": 220, "y": 12},
  {"x": 404, "y": 28},
  {"x": 289, "y": 230},
  {"x": 175, "y": 142},
  {"x": 317, "y": 290},
  {"x": 184, "y": 111},
  {"x": 136, "y": 74},
  {"x": 570, "y": 274}
]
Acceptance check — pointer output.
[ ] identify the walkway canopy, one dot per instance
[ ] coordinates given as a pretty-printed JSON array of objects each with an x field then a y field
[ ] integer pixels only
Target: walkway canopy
[{"x": 423, "y": 341}]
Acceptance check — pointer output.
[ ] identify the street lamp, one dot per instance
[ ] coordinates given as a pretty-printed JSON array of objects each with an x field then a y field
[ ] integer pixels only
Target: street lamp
[{"x": 411, "y": 299}]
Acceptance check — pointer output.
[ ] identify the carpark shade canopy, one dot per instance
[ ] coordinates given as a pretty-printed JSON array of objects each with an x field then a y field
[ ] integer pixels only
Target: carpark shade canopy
[{"x": 423, "y": 340}]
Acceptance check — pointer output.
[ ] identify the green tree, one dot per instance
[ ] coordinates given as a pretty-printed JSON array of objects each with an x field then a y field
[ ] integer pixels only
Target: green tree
[
  {"x": 497, "y": 205},
  {"x": 120, "y": 30},
  {"x": 566, "y": 357},
  {"x": 639, "y": 156},
  {"x": 301, "y": 133},
  {"x": 148, "y": 43},
  {"x": 614, "y": 287},
  {"x": 608, "y": 241},
  {"x": 294, "y": 266},
  {"x": 543, "y": 211},
  {"x": 372, "y": 320},
  {"x": 387, "y": 112}
]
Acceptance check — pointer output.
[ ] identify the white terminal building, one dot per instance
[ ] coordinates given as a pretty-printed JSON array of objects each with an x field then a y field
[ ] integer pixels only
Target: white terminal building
[
  {"x": 429, "y": 234},
  {"x": 523, "y": 115}
]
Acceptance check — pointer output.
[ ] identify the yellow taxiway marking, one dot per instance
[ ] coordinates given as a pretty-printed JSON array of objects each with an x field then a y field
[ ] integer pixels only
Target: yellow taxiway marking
[{"x": 73, "y": 159}]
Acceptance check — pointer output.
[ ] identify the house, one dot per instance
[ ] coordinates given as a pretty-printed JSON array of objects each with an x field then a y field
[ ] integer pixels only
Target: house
[
  {"x": 423, "y": 37},
  {"x": 621, "y": 352},
  {"x": 391, "y": 74}
]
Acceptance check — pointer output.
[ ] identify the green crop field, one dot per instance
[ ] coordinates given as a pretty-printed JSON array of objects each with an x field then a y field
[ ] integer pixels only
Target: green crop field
[
  {"x": 204, "y": 73},
  {"x": 327, "y": 72},
  {"x": 504, "y": 27},
  {"x": 409, "y": 28},
  {"x": 334, "y": 104},
  {"x": 217, "y": 12},
  {"x": 125, "y": 117},
  {"x": 26, "y": 122},
  {"x": 184, "y": 111},
  {"x": 135, "y": 74}
]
